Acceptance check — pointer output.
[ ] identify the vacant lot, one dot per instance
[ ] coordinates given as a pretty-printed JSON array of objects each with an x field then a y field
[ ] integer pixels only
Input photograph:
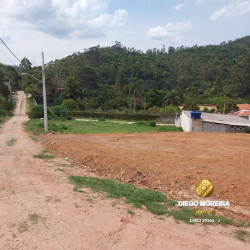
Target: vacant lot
[{"x": 172, "y": 162}]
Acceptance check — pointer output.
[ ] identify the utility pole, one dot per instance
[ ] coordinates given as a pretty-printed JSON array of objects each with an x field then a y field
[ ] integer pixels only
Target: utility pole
[{"x": 44, "y": 97}]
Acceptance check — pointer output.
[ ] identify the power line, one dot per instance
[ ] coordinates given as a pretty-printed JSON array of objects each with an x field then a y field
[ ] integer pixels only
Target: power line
[
  {"x": 9, "y": 50},
  {"x": 7, "y": 57}
]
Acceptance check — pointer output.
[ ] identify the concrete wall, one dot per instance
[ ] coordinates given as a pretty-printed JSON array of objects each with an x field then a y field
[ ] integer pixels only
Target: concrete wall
[
  {"x": 197, "y": 125},
  {"x": 186, "y": 122},
  {"x": 167, "y": 118},
  {"x": 215, "y": 127}
]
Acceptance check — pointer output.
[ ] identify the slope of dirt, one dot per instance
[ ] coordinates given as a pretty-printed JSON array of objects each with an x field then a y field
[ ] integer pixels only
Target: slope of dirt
[
  {"x": 171, "y": 162},
  {"x": 40, "y": 210}
]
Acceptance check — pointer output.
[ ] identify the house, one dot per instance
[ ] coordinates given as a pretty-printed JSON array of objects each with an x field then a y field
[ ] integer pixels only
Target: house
[
  {"x": 244, "y": 111},
  {"x": 207, "y": 122}
]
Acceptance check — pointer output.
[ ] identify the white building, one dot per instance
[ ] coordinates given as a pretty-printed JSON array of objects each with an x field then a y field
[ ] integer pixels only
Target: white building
[{"x": 212, "y": 123}]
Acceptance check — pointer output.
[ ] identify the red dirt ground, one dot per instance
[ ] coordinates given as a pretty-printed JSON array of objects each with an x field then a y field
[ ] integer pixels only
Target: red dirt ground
[{"x": 172, "y": 162}]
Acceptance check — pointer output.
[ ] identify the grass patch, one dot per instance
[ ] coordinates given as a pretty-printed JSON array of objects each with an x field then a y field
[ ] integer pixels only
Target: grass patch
[
  {"x": 154, "y": 201},
  {"x": 60, "y": 169},
  {"x": 52, "y": 199},
  {"x": 131, "y": 212},
  {"x": 44, "y": 156},
  {"x": 33, "y": 138},
  {"x": 3, "y": 119},
  {"x": 242, "y": 235},
  {"x": 11, "y": 142},
  {"x": 89, "y": 127},
  {"x": 23, "y": 227}
]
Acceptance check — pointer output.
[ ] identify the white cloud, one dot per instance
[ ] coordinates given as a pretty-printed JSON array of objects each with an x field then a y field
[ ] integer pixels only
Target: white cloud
[
  {"x": 63, "y": 18},
  {"x": 172, "y": 31},
  {"x": 234, "y": 8},
  {"x": 202, "y": 1},
  {"x": 181, "y": 5}
]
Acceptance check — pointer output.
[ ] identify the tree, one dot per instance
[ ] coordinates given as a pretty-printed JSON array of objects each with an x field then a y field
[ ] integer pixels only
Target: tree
[
  {"x": 72, "y": 87},
  {"x": 171, "y": 98},
  {"x": 191, "y": 105},
  {"x": 135, "y": 90},
  {"x": 25, "y": 64},
  {"x": 153, "y": 98},
  {"x": 231, "y": 106}
]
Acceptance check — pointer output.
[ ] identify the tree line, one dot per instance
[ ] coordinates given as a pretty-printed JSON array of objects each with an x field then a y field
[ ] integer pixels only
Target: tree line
[{"x": 118, "y": 77}]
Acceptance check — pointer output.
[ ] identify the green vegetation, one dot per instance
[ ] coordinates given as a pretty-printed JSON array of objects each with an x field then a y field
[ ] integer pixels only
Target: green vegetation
[
  {"x": 89, "y": 127},
  {"x": 242, "y": 235},
  {"x": 154, "y": 201},
  {"x": 11, "y": 142},
  {"x": 120, "y": 78},
  {"x": 44, "y": 156},
  {"x": 131, "y": 212}
]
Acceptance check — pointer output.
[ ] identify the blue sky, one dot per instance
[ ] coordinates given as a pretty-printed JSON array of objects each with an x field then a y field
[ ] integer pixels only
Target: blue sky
[{"x": 62, "y": 27}]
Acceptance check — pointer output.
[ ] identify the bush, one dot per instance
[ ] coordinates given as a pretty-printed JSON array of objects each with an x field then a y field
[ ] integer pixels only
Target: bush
[
  {"x": 36, "y": 112},
  {"x": 170, "y": 109},
  {"x": 57, "y": 101},
  {"x": 102, "y": 120},
  {"x": 152, "y": 124},
  {"x": 248, "y": 130},
  {"x": 122, "y": 116},
  {"x": 169, "y": 128},
  {"x": 57, "y": 127},
  {"x": 144, "y": 123},
  {"x": 60, "y": 111},
  {"x": 141, "y": 123},
  {"x": 70, "y": 104}
]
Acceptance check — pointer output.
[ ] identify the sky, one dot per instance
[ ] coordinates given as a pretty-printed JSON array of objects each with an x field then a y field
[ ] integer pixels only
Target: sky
[{"x": 63, "y": 27}]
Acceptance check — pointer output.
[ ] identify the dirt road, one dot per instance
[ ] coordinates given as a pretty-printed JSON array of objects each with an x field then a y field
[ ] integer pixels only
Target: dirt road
[{"x": 40, "y": 210}]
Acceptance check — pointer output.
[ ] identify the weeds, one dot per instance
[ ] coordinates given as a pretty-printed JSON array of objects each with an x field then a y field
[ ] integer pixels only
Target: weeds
[
  {"x": 44, "y": 156},
  {"x": 11, "y": 142},
  {"x": 154, "y": 201},
  {"x": 242, "y": 235}
]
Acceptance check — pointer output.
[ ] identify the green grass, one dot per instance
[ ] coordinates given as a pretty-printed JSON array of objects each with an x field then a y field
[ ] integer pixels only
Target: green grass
[
  {"x": 154, "y": 201},
  {"x": 242, "y": 235},
  {"x": 33, "y": 138},
  {"x": 3, "y": 119},
  {"x": 89, "y": 127},
  {"x": 44, "y": 156},
  {"x": 11, "y": 142},
  {"x": 131, "y": 212}
]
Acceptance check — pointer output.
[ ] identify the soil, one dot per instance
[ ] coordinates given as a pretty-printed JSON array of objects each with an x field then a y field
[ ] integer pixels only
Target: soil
[
  {"x": 40, "y": 210},
  {"x": 172, "y": 162}
]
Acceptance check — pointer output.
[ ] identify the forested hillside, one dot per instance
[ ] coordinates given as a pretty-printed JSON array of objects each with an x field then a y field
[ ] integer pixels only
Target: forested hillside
[{"x": 115, "y": 77}]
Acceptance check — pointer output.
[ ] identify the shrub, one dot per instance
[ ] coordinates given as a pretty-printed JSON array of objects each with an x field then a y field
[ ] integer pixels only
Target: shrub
[
  {"x": 144, "y": 123},
  {"x": 36, "y": 112},
  {"x": 247, "y": 130},
  {"x": 141, "y": 123},
  {"x": 102, "y": 120},
  {"x": 169, "y": 128},
  {"x": 122, "y": 116},
  {"x": 170, "y": 109},
  {"x": 57, "y": 101},
  {"x": 57, "y": 127},
  {"x": 70, "y": 104},
  {"x": 152, "y": 124},
  {"x": 60, "y": 111}
]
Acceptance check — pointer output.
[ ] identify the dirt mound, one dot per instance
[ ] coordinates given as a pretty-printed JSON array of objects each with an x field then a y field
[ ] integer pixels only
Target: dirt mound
[{"x": 170, "y": 162}]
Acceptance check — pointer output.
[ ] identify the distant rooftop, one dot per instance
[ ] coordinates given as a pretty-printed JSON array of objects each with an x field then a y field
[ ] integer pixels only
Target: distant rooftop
[
  {"x": 244, "y": 106},
  {"x": 224, "y": 119}
]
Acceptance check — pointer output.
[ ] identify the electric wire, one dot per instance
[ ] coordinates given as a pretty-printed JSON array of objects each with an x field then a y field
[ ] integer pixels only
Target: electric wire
[
  {"x": 9, "y": 49},
  {"x": 7, "y": 57}
]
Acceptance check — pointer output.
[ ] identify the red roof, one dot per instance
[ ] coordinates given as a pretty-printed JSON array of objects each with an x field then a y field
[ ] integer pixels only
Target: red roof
[
  {"x": 243, "y": 106},
  {"x": 242, "y": 113}
]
